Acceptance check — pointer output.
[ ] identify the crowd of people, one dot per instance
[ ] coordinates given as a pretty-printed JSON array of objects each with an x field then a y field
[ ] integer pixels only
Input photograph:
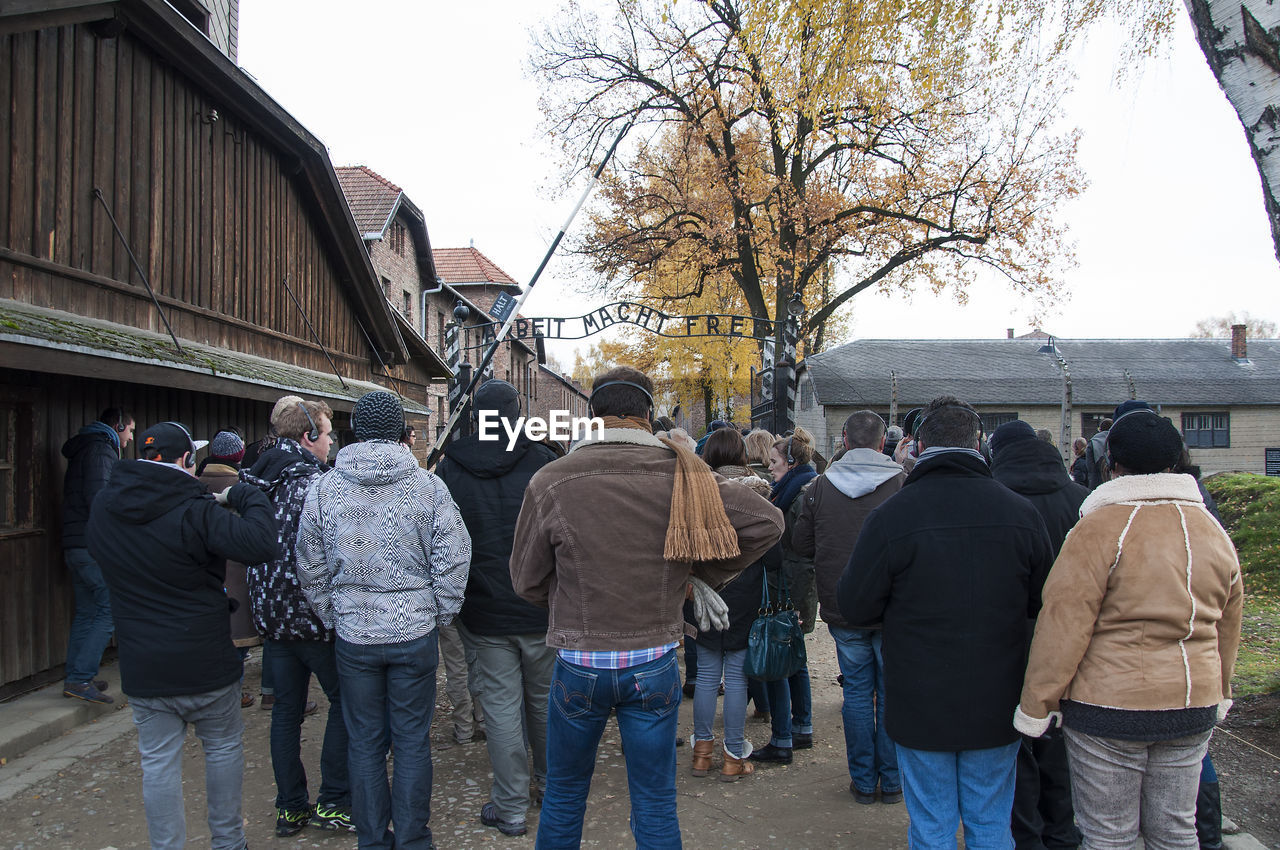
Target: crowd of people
[{"x": 1036, "y": 661}]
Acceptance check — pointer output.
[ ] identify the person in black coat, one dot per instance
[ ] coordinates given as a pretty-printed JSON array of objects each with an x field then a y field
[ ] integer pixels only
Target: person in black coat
[
  {"x": 508, "y": 635},
  {"x": 953, "y": 565},
  {"x": 163, "y": 541},
  {"x": 90, "y": 456},
  {"x": 1043, "y": 817}
]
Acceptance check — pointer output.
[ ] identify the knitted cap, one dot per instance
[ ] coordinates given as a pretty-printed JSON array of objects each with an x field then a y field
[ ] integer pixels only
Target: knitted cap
[
  {"x": 227, "y": 445},
  {"x": 378, "y": 416},
  {"x": 1144, "y": 442},
  {"x": 1009, "y": 433},
  {"x": 1129, "y": 407},
  {"x": 498, "y": 396}
]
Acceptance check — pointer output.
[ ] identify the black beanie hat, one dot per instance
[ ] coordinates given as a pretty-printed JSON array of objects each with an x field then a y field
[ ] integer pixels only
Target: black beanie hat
[
  {"x": 1144, "y": 442},
  {"x": 499, "y": 396},
  {"x": 1009, "y": 433},
  {"x": 1128, "y": 407},
  {"x": 378, "y": 416}
]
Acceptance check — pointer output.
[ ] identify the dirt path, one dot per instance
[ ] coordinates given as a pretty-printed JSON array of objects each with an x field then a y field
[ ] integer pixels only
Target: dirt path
[{"x": 1246, "y": 754}]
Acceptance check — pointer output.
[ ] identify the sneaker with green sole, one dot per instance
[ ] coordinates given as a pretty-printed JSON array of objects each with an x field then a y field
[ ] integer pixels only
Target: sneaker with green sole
[
  {"x": 332, "y": 817},
  {"x": 291, "y": 821}
]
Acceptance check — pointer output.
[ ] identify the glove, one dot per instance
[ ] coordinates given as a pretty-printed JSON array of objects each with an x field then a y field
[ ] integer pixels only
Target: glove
[
  {"x": 709, "y": 609},
  {"x": 1223, "y": 708},
  {"x": 1035, "y": 727},
  {"x": 221, "y": 496}
]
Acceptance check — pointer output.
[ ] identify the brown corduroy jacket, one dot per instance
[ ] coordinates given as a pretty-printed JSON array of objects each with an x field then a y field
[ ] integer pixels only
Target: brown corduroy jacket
[
  {"x": 1142, "y": 608},
  {"x": 590, "y": 537}
]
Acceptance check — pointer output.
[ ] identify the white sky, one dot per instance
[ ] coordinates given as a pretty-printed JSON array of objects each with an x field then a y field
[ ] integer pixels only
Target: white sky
[{"x": 437, "y": 98}]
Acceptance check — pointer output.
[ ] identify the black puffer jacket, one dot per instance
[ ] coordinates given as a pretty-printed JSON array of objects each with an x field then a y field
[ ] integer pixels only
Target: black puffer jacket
[
  {"x": 90, "y": 456},
  {"x": 487, "y": 483},
  {"x": 1033, "y": 468},
  {"x": 953, "y": 564},
  {"x": 161, "y": 541}
]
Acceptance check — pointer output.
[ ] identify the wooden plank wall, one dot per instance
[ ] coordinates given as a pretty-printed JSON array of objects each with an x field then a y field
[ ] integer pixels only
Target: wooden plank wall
[
  {"x": 209, "y": 208},
  {"x": 35, "y": 593}
]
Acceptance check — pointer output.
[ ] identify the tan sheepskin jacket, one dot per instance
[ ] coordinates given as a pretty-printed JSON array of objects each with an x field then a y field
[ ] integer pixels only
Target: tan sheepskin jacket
[{"x": 1141, "y": 609}]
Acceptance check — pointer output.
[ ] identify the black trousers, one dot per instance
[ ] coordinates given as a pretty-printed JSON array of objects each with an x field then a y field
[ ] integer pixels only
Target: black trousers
[{"x": 1043, "y": 817}]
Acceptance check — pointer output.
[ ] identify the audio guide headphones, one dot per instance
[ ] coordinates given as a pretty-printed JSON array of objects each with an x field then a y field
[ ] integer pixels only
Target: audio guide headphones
[
  {"x": 648, "y": 396},
  {"x": 190, "y": 462},
  {"x": 314, "y": 433}
]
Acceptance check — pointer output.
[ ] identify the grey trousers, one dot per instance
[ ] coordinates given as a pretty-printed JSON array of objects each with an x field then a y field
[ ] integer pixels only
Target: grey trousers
[
  {"x": 162, "y": 726},
  {"x": 457, "y": 662},
  {"x": 1121, "y": 788},
  {"x": 513, "y": 678}
]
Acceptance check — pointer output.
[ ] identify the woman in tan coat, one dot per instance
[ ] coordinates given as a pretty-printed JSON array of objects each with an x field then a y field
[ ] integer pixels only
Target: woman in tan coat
[{"x": 1135, "y": 644}]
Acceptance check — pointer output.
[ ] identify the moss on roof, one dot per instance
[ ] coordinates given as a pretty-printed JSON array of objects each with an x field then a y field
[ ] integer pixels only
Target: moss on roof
[{"x": 23, "y": 323}]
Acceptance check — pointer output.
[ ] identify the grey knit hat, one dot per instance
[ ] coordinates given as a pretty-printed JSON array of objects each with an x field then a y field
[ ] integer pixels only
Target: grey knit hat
[
  {"x": 227, "y": 445},
  {"x": 378, "y": 416}
]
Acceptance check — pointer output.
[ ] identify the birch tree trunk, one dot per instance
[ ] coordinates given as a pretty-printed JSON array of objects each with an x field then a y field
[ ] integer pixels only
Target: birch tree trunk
[{"x": 1241, "y": 41}]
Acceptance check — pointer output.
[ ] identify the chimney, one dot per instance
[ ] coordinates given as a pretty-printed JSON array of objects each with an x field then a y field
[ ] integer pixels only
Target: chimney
[
  {"x": 1239, "y": 344},
  {"x": 1010, "y": 333}
]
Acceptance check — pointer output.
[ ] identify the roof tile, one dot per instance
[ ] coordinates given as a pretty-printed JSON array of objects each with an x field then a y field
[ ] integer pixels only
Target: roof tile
[
  {"x": 467, "y": 265},
  {"x": 371, "y": 196}
]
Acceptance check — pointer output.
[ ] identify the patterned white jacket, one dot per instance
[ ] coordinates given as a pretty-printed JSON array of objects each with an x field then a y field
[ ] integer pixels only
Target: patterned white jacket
[{"x": 382, "y": 551}]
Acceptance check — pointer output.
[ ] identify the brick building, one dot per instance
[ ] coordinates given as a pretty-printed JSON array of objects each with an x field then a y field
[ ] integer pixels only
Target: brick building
[{"x": 424, "y": 286}]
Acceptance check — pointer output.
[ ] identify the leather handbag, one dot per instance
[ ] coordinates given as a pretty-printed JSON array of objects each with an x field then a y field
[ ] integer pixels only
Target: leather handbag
[{"x": 775, "y": 644}]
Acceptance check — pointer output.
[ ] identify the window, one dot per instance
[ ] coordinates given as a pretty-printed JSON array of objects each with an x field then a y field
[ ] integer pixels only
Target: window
[
  {"x": 806, "y": 395},
  {"x": 1207, "y": 430},
  {"x": 1089, "y": 423},
  {"x": 408, "y": 304},
  {"x": 386, "y": 286},
  {"x": 397, "y": 238},
  {"x": 992, "y": 421},
  {"x": 17, "y": 503}
]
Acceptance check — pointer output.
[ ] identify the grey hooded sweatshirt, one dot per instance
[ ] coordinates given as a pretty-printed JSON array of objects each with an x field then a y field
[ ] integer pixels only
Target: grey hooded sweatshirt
[{"x": 835, "y": 506}]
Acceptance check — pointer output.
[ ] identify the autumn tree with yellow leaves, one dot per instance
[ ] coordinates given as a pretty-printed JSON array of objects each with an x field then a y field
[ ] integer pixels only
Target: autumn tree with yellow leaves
[{"x": 796, "y": 144}]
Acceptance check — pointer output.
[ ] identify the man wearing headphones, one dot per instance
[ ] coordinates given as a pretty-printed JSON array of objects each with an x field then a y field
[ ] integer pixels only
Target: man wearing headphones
[
  {"x": 90, "y": 456},
  {"x": 163, "y": 541},
  {"x": 608, "y": 538},
  {"x": 296, "y": 642},
  {"x": 952, "y": 566}
]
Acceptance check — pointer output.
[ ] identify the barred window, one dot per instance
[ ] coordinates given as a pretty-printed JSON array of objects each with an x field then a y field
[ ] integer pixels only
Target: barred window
[
  {"x": 1207, "y": 430},
  {"x": 992, "y": 421}
]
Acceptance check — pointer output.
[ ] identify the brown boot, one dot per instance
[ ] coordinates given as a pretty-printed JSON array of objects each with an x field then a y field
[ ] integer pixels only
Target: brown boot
[
  {"x": 702, "y": 757},
  {"x": 734, "y": 767}
]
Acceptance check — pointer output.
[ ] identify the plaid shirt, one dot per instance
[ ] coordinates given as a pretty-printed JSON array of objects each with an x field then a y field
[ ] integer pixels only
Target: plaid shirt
[{"x": 615, "y": 660}]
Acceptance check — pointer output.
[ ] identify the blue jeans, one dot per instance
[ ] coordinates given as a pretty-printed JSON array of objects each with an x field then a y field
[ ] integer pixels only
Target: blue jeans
[
  {"x": 389, "y": 695},
  {"x": 92, "y": 625},
  {"x": 790, "y": 707},
  {"x": 162, "y": 726},
  {"x": 944, "y": 789},
  {"x": 711, "y": 662},
  {"x": 646, "y": 699},
  {"x": 292, "y": 662},
  {"x": 867, "y": 747}
]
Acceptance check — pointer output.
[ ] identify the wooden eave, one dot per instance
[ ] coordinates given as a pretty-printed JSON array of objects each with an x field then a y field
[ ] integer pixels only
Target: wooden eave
[{"x": 178, "y": 42}]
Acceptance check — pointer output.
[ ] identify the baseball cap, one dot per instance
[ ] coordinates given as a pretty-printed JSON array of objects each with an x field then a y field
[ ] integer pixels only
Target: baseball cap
[{"x": 170, "y": 441}]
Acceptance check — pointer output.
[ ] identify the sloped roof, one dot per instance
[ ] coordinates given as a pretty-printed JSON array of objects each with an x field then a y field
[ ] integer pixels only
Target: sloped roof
[
  {"x": 227, "y": 372},
  {"x": 469, "y": 266},
  {"x": 1016, "y": 371},
  {"x": 372, "y": 198}
]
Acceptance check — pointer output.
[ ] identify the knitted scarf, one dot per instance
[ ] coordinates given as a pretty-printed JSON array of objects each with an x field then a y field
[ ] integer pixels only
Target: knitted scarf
[
  {"x": 698, "y": 528},
  {"x": 786, "y": 488}
]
